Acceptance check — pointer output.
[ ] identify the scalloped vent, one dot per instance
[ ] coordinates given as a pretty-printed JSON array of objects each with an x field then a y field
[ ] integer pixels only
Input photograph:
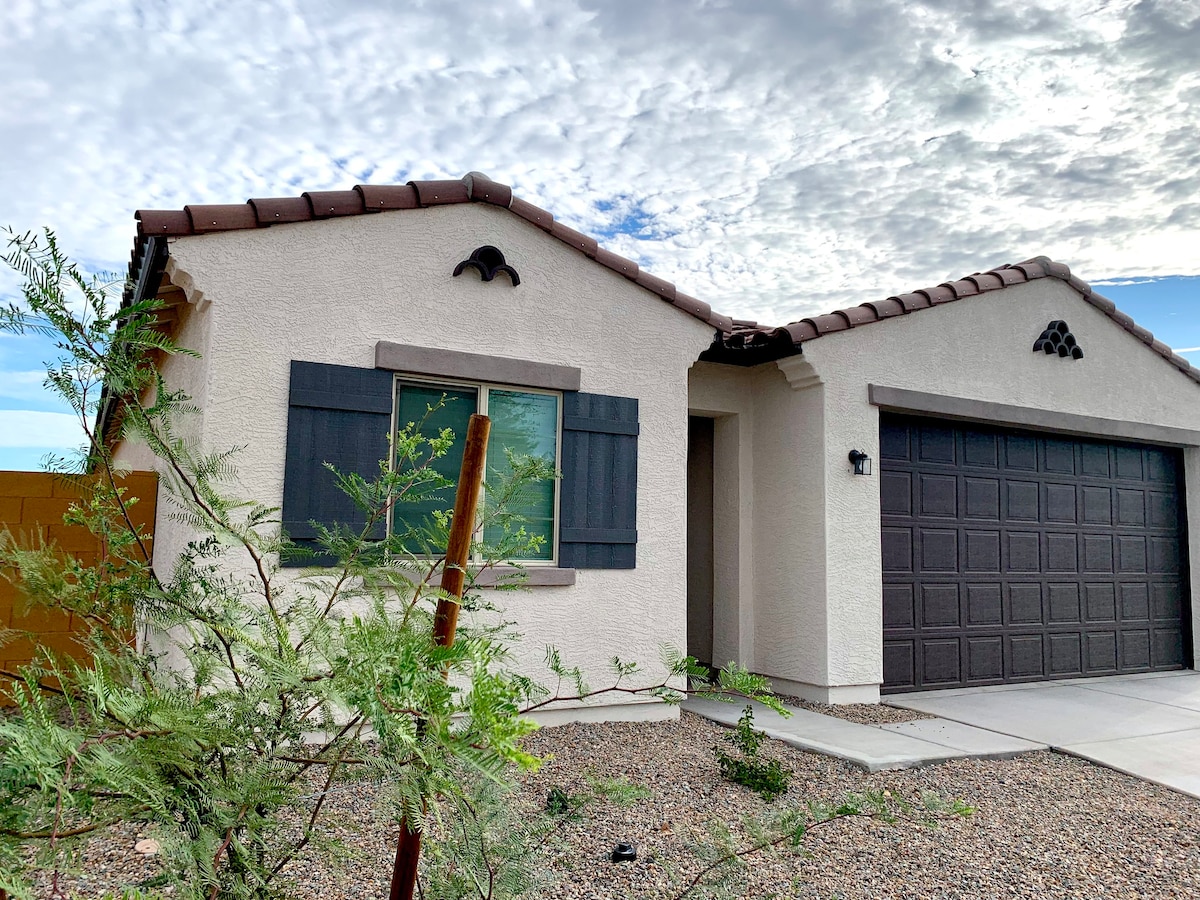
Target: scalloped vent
[
  {"x": 488, "y": 262},
  {"x": 1057, "y": 338}
]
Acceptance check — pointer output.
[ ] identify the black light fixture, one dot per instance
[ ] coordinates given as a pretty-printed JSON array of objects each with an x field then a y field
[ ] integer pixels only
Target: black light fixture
[
  {"x": 624, "y": 852},
  {"x": 862, "y": 462}
]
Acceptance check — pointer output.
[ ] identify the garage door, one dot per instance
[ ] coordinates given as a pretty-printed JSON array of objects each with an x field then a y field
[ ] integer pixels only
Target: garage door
[{"x": 1011, "y": 556}]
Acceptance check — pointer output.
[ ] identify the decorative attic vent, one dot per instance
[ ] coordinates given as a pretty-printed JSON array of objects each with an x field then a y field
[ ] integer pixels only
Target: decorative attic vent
[
  {"x": 487, "y": 261},
  {"x": 1057, "y": 338}
]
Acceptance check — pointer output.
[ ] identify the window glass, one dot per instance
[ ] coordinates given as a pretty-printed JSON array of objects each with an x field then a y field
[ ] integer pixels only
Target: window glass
[
  {"x": 527, "y": 425},
  {"x": 412, "y": 405}
]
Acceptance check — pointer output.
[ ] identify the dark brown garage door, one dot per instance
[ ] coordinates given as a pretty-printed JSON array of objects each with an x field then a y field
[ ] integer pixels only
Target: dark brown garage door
[{"x": 1011, "y": 557}]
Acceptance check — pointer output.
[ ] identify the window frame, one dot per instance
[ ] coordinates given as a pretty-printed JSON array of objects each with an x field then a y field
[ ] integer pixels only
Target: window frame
[{"x": 483, "y": 390}]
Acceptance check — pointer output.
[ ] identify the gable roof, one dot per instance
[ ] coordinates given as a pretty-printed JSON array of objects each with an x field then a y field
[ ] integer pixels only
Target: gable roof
[
  {"x": 365, "y": 199},
  {"x": 758, "y": 344}
]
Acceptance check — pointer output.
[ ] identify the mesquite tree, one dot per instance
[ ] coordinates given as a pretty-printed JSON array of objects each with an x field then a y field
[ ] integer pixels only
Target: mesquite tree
[{"x": 250, "y": 695}]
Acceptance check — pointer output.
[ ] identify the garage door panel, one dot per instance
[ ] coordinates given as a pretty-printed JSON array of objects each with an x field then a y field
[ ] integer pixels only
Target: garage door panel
[
  {"x": 1135, "y": 602},
  {"x": 941, "y": 663},
  {"x": 1168, "y": 645},
  {"x": 985, "y": 606},
  {"x": 980, "y": 450},
  {"x": 1019, "y": 557},
  {"x": 1024, "y": 552},
  {"x": 1066, "y": 654},
  {"x": 1062, "y": 552},
  {"x": 895, "y": 494},
  {"x": 1025, "y": 605},
  {"x": 1167, "y": 599},
  {"x": 1135, "y": 649},
  {"x": 1020, "y": 453},
  {"x": 1060, "y": 503},
  {"x": 1100, "y": 652},
  {"x": 897, "y": 549},
  {"x": 1023, "y": 505},
  {"x": 940, "y": 606},
  {"x": 1131, "y": 507},
  {"x": 985, "y": 659},
  {"x": 981, "y": 498},
  {"x": 1026, "y": 657},
  {"x": 1064, "y": 603},
  {"x": 1129, "y": 463},
  {"x": 939, "y": 550},
  {"x": 1059, "y": 457},
  {"x": 899, "y": 606},
  {"x": 1097, "y": 505},
  {"x": 1097, "y": 553},
  {"x": 1094, "y": 461},
  {"x": 981, "y": 551},
  {"x": 1101, "y": 602},
  {"x": 936, "y": 445},
  {"x": 899, "y": 663},
  {"x": 938, "y": 496}
]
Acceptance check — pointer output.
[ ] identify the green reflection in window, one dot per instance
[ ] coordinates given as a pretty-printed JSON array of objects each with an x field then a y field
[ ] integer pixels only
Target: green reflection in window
[
  {"x": 412, "y": 404},
  {"x": 526, "y": 425}
]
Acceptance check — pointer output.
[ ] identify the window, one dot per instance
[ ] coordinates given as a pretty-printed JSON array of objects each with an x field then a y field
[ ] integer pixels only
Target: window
[
  {"x": 524, "y": 422},
  {"x": 341, "y": 415}
]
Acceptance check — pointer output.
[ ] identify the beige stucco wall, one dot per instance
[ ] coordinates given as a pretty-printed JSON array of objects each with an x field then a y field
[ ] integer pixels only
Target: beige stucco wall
[
  {"x": 810, "y": 613},
  {"x": 328, "y": 291},
  {"x": 979, "y": 348}
]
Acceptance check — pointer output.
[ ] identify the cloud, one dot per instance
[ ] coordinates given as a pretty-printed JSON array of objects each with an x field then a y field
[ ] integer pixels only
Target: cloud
[
  {"x": 29, "y": 429},
  {"x": 1187, "y": 350},
  {"x": 773, "y": 158}
]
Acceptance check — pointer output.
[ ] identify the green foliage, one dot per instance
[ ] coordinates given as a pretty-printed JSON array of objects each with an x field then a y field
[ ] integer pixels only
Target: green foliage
[
  {"x": 251, "y": 695},
  {"x": 766, "y": 777}
]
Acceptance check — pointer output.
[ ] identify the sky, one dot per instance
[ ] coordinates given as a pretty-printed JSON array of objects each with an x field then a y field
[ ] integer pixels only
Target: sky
[{"x": 776, "y": 158}]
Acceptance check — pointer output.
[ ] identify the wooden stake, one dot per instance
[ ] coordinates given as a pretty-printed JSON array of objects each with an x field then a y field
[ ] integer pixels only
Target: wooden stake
[{"x": 445, "y": 619}]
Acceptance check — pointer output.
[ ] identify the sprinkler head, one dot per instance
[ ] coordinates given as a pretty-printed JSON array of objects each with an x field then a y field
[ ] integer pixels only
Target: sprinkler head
[{"x": 624, "y": 853}]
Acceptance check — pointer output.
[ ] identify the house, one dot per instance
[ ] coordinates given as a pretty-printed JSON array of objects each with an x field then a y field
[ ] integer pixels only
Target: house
[{"x": 1026, "y": 449}]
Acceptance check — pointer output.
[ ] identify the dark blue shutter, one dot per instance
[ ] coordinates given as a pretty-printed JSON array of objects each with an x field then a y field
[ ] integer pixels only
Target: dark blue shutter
[
  {"x": 598, "y": 497},
  {"x": 340, "y": 415}
]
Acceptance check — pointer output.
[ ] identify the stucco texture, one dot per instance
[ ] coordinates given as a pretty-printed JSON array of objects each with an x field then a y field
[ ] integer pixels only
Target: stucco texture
[{"x": 328, "y": 291}]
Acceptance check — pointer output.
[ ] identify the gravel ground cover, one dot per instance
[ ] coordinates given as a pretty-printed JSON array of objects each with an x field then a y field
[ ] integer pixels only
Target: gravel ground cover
[
  {"x": 859, "y": 713},
  {"x": 1045, "y": 825}
]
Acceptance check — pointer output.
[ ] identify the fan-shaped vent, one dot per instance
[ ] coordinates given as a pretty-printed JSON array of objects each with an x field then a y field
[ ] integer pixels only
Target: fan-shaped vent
[
  {"x": 487, "y": 261},
  {"x": 1057, "y": 338}
]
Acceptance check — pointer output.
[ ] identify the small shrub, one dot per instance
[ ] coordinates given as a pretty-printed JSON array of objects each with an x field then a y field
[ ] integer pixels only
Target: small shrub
[{"x": 766, "y": 777}]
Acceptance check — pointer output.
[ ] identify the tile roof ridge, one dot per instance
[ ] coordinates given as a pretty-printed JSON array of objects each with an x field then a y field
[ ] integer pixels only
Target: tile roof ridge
[
  {"x": 365, "y": 199},
  {"x": 813, "y": 327}
]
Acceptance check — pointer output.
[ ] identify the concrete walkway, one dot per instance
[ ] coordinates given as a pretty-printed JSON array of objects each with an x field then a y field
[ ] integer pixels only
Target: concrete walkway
[
  {"x": 1143, "y": 725},
  {"x": 873, "y": 747}
]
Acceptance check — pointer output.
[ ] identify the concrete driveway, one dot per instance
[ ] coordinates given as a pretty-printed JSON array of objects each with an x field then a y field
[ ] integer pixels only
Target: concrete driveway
[{"x": 1144, "y": 725}]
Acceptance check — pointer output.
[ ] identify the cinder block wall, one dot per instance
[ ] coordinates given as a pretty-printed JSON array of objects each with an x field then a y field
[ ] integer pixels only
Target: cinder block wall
[{"x": 32, "y": 505}]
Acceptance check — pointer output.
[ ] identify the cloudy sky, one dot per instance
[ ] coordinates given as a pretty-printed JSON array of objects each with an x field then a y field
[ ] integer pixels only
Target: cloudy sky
[{"x": 773, "y": 158}]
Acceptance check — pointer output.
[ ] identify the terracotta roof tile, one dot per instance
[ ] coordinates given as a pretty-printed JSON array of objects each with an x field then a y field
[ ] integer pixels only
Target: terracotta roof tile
[
  {"x": 389, "y": 196},
  {"x": 859, "y": 315},
  {"x": 439, "y": 193},
  {"x": 531, "y": 213},
  {"x": 229, "y": 217},
  {"x": 913, "y": 301},
  {"x": 280, "y": 210},
  {"x": 885, "y": 309},
  {"x": 163, "y": 221},
  {"x": 943, "y": 293},
  {"x": 482, "y": 189},
  {"x": 367, "y": 198},
  {"x": 626, "y": 267},
  {"x": 979, "y": 283},
  {"x": 576, "y": 239},
  {"x": 327, "y": 204}
]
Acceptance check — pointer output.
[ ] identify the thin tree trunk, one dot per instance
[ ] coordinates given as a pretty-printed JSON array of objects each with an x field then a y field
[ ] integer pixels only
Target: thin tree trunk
[{"x": 445, "y": 621}]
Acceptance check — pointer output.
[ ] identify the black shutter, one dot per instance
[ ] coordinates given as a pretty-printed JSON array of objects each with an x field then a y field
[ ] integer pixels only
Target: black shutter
[
  {"x": 340, "y": 415},
  {"x": 598, "y": 496}
]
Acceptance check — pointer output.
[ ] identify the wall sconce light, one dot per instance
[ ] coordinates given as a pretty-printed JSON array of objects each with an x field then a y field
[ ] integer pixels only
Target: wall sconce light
[{"x": 862, "y": 462}]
